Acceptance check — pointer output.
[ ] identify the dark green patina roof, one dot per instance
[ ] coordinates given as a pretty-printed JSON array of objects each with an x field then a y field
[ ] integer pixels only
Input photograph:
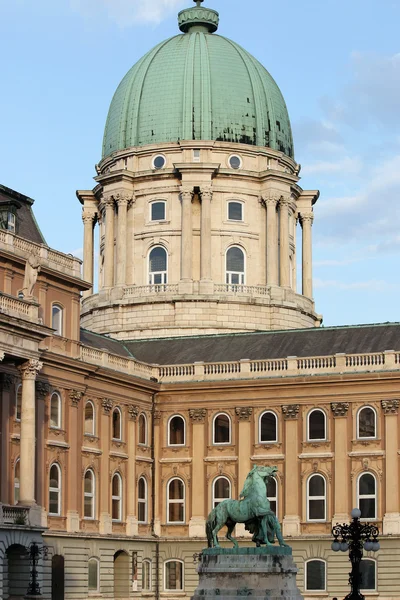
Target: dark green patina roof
[{"x": 198, "y": 86}]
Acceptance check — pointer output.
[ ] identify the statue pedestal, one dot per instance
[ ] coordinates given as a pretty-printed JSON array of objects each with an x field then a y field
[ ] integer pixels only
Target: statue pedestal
[{"x": 259, "y": 573}]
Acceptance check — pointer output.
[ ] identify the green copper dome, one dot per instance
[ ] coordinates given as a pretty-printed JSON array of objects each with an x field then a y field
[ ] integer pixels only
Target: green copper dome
[{"x": 198, "y": 86}]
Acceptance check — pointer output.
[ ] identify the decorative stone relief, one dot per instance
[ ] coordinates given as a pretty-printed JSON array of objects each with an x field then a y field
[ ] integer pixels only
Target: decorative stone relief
[
  {"x": 243, "y": 413},
  {"x": 339, "y": 409},
  {"x": 157, "y": 416},
  {"x": 197, "y": 414},
  {"x": 390, "y": 407},
  {"x": 107, "y": 405},
  {"x": 290, "y": 411},
  {"x": 133, "y": 412},
  {"x": 7, "y": 381},
  {"x": 75, "y": 397},
  {"x": 42, "y": 389}
]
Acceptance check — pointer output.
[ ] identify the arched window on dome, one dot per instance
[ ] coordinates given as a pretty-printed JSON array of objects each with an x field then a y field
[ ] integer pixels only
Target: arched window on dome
[
  {"x": 158, "y": 266},
  {"x": 158, "y": 210},
  {"x": 235, "y": 266}
]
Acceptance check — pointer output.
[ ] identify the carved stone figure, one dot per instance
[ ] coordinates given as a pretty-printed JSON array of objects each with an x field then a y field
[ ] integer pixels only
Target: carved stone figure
[
  {"x": 32, "y": 270},
  {"x": 252, "y": 508}
]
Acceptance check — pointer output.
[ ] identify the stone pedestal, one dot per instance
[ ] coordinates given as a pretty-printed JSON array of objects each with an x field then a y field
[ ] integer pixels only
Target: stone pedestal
[{"x": 259, "y": 573}]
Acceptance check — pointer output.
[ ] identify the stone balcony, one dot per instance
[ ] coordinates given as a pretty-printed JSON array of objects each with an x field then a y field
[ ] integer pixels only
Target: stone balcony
[
  {"x": 19, "y": 308},
  {"x": 22, "y": 516}
]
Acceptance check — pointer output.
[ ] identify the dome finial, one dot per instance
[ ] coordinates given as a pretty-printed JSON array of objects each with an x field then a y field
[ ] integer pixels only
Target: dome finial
[
  {"x": 198, "y": 2},
  {"x": 198, "y": 19}
]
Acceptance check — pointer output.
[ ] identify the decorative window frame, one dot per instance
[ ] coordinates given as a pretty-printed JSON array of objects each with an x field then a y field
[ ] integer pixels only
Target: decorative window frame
[
  {"x": 214, "y": 443},
  {"x": 57, "y": 490},
  {"x": 146, "y": 432},
  {"x": 93, "y": 432},
  {"x": 231, "y": 201},
  {"x": 213, "y": 498},
  {"x": 308, "y": 498},
  {"x": 58, "y": 331},
  {"x": 97, "y": 589},
  {"x": 241, "y": 273},
  {"x": 229, "y": 162},
  {"x": 153, "y": 166},
  {"x": 359, "y": 411},
  {"x": 310, "y": 439},
  {"x": 143, "y": 501},
  {"x": 176, "y": 501},
  {"x": 157, "y": 201},
  {"x": 91, "y": 495},
  {"x": 367, "y": 496},
  {"x": 117, "y": 498},
  {"x": 182, "y": 589},
  {"x": 150, "y": 273},
  {"x": 314, "y": 591},
  {"x": 119, "y": 438},
  {"x": 260, "y": 441},
  {"x": 169, "y": 431},
  {"x": 149, "y": 563}
]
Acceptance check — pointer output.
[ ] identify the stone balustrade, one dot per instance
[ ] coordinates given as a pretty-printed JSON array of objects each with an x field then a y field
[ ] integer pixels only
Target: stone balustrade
[
  {"x": 57, "y": 261},
  {"x": 247, "y": 369},
  {"x": 25, "y": 516},
  {"x": 16, "y": 307}
]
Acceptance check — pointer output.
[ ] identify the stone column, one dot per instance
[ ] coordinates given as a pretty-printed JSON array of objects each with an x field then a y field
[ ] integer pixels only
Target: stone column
[
  {"x": 244, "y": 452},
  {"x": 130, "y": 243},
  {"x": 105, "y": 525},
  {"x": 293, "y": 494},
  {"x": 28, "y": 371},
  {"x": 199, "y": 495},
  {"x": 122, "y": 200},
  {"x": 342, "y": 493},
  {"x": 205, "y": 235},
  {"x": 284, "y": 262},
  {"x": 132, "y": 527},
  {"x": 74, "y": 426},
  {"x": 186, "y": 235},
  {"x": 158, "y": 489},
  {"x": 391, "y": 519},
  {"x": 306, "y": 220},
  {"x": 272, "y": 240},
  {"x": 109, "y": 243},
  {"x": 88, "y": 242}
]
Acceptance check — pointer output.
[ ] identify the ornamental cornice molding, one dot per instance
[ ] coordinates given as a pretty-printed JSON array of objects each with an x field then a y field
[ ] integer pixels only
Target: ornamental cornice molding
[
  {"x": 290, "y": 411},
  {"x": 390, "y": 407},
  {"x": 243, "y": 413},
  {"x": 339, "y": 409},
  {"x": 197, "y": 414}
]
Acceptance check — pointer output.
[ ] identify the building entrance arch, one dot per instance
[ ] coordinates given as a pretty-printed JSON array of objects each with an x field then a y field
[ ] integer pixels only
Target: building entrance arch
[
  {"x": 57, "y": 577},
  {"x": 17, "y": 572},
  {"x": 121, "y": 574}
]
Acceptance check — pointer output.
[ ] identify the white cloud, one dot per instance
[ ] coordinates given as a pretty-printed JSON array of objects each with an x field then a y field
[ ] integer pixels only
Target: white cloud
[
  {"x": 343, "y": 166},
  {"x": 129, "y": 12}
]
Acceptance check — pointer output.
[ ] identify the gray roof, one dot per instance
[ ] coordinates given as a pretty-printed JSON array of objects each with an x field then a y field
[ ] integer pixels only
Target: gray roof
[
  {"x": 323, "y": 341},
  {"x": 26, "y": 225}
]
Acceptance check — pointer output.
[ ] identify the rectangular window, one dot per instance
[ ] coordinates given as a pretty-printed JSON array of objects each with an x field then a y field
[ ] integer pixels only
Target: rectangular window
[
  {"x": 158, "y": 211},
  {"x": 235, "y": 211},
  {"x": 93, "y": 575},
  {"x": 11, "y": 222},
  {"x": 196, "y": 155}
]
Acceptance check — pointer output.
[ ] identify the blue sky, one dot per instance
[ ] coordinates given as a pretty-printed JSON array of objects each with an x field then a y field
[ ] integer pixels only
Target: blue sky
[{"x": 337, "y": 63}]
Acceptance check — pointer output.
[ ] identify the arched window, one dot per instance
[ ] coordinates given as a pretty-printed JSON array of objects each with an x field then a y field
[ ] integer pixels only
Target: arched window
[
  {"x": 316, "y": 498},
  {"x": 221, "y": 490},
  {"x": 116, "y": 499},
  {"x": 315, "y": 575},
  {"x": 176, "y": 431},
  {"x": 117, "y": 424},
  {"x": 89, "y": 494},
  {"x": 57, "y": 319},
  {"x": 142, "y": 500},
  {"x": 272, "y": 494},
  {"x": 55, "y": 411},
  {"x": 93, "y": 575},
  {"x": 176, "y": 501},
  {"x": 316, "y": 422},
  {"x": 16, "y": 481},
  {"x": 18, "y": 402},
  {"x": 142, "y": 429},
  {"x": 89, "y": 418},
  {"x": 173, "y": 575},
  {"x": 268, "y": 430},
  {"x": 157, "y": 210},
  {"x": 235, "y": 270},
  {"x": 146, "y": 575},
  {"x": 366, "y": 495},
  {"x": 366, "y": 422},
  {"x": 158, "y": 269},
  {"x": 221, "y": 429},
  {"x": 368, "y": 574},
  {"x": 55, "y": 490}
]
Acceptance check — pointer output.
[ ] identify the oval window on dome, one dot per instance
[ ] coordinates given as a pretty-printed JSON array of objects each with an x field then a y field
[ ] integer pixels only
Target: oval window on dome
[
  {"x": 235, "y": 162},
  {"x": 159, "y": 162}
]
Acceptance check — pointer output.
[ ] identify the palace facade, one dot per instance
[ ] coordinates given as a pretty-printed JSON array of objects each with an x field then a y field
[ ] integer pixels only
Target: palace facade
[{"x": 134, "y": 400}]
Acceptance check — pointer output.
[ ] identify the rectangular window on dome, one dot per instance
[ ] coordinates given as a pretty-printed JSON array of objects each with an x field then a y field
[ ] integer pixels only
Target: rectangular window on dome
[
  {"x": 196, "y": 155},
  {"x": 158, "y": 211},
  {"x": 235, "y": 211}
]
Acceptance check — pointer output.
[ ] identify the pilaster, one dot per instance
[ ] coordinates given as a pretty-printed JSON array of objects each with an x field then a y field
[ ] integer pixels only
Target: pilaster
[
  {"x": 342, "y": 497},
  {"x": 205, "y": 240},
  {"x": 105, "y": 524},
  {"x": 284, "y": 261},
  {"x": 109, "y": 242},
  {"x": 186, "y": 241},
  {"x": 75, "y": 434},
  {"x": 291, "y": 520},
  {"x": 271, "y": 202},
  {"x": 122, "y": 200},
  {"x": 199, "y": 497},
  {"x": 391, "y": 519},
  {"x": 132, "y": 527}
]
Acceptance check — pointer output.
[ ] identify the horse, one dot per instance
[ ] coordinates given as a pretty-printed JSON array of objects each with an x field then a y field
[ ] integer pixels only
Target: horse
[{"x": 253, "y": 506}]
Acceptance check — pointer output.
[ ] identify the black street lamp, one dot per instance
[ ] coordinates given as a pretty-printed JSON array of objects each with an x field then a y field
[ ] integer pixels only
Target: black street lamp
[
  {"x": 355, "y": 537},
  {"x": 35, "y": 552}
]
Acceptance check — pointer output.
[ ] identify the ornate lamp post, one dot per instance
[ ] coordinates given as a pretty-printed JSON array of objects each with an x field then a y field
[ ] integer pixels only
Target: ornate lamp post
[
  {"x": 355, "y": 537},
  {"x": 34, "y": 554}
]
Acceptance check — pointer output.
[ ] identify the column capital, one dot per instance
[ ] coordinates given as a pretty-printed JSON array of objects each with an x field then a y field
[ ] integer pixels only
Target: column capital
[
  {"x": 206, "y": 192},
  {"x": 243, "y": 413},
  {"x": 290, "y": 411},
  {"x": 270, "y": 199},
  {"x": 133, "y": 412},
  {"x": 107, "y": 405},
  {"x": 30, "y": 368},
  {"x": 187, "y": 193},
  {"x": 390, "y": 407},
  {"x": 42, "y": 389},
  {"x": 197, "y": 414},
  {"x": 285, "y": 201},
  {"x": 123, "y": 198},
  {"x": 108, "y": 200},
  {"x": 339, "y": 409},
  {"x": 309, "y": 216},
  {"x": 88, "y": 217},
  {"x": 75, "y": 396},
  {"x": 157, "y": 415}
]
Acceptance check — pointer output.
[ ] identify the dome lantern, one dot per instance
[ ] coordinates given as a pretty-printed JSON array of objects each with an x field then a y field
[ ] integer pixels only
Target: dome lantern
[{"x": 198, "y": 19}]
